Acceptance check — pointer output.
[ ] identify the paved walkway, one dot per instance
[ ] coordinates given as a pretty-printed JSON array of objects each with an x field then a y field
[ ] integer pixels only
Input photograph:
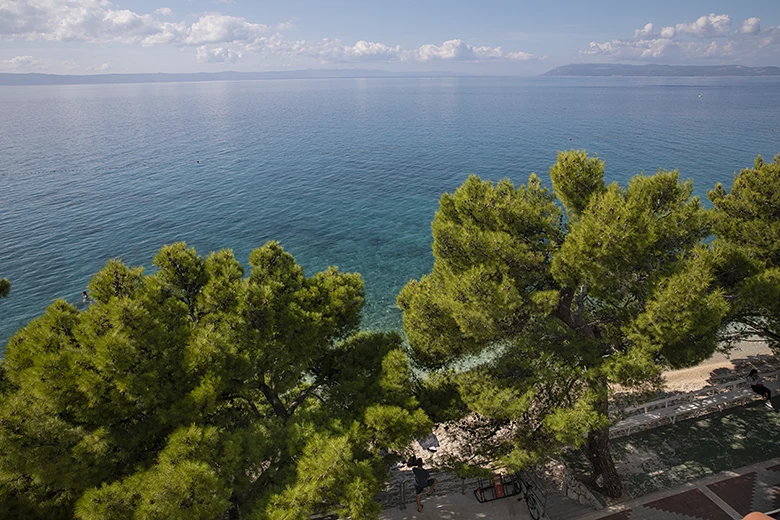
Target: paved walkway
[
  {"x": 727, "y": 496},
  {"x": 460, "y": 506}
]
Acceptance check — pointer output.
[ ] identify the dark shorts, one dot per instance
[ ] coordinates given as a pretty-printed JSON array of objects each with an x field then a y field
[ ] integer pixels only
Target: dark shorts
[{"x": 418, "y": 489}]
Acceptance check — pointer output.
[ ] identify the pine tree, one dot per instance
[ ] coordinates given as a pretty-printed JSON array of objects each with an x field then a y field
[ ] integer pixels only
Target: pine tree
[
  {"x": 197, "y": 391},
  {"x": 533, "y": 311},
  {"x": 747, "y": 249}
]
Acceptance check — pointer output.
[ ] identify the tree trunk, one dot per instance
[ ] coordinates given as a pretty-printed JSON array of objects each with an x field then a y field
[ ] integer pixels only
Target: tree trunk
[
  {"x": 234, "y": 513},
  {"x": 601, "y": 463},
  {"x": 274, "y": 401},
  {"x": 597, "y": 450}
]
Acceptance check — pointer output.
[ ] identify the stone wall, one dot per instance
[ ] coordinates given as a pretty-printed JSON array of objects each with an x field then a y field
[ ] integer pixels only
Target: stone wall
[{"x": 574, "y": 489}]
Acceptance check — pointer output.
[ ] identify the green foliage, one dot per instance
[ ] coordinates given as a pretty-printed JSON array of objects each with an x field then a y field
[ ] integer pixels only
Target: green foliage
[
  {"x": 531, "y": 318},
  {"x": 441, "y": 399},
  {"x": 491, "y": 244},
  {"x": 183, "y": 491},
  {"x": 393, "y": 425},
  {"x": 5, "y": 287},
  {"x": 629, "y": 240},
  {"x": 681, "y": 320},
  {"x": 196, "y": 390},
  {"x": 576, "y": 178},
  {"x": 570, "y": 425},
  {"x": 327, "y": 470},
  {"x": 749, "y": 216},
  {"x": 115, "y": 280},
  {"x": 747, "y": 250}
]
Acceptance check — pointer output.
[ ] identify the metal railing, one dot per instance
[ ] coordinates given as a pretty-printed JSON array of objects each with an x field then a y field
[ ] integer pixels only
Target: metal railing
[
  {"x": 687, "y": 405},
  {"x": 691, "y": 396}
]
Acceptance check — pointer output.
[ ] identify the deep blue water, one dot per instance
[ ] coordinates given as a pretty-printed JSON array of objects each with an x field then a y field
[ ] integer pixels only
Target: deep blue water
[{"x": 342, "y": 172}]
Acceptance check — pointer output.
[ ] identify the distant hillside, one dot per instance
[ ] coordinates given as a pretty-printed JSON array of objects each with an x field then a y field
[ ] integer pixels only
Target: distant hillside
[
  {"x": 604, "y": 69},
  {"x": 65, "y": 79}
]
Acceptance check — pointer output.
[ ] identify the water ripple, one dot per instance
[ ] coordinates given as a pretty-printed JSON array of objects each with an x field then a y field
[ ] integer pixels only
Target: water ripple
[{"x": 342, "y": 172}]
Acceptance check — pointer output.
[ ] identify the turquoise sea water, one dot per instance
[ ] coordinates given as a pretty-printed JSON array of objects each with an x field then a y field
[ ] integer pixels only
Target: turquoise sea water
[{"x": 343, "y": 172}]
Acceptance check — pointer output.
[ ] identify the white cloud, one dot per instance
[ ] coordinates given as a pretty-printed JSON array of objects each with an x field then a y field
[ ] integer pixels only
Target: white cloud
[
  {"x": 644, "y": 33},
  {"x": 21, "y": 63},
  {"x": 95, "y": 21},
  {"x": 336, "y": 51},
  {"x": 206, "y": 54},
  {"x": 707, "y": 26},
  {"x": 371, "y": 50},
  {"x": 710, "y": 26},
  {"x": 709, "y": 37},
  {"x": 24, "y": 61},
  {"x": 449, "y": 50},
  {"x": 769, "y": 37},
  {"x": 632, "y": 50},
  {"x": 459, "y": 50},
  {"x": 99, "y": 68},
  {"x": 662, "y": 48},
  {"x": 72, "y": 20},
  {"x": 217, "y": 28},
  {"x": 751, "y": 26},
  {"x": 217, "y": 38},
  {"x": 285, "y": 26}
]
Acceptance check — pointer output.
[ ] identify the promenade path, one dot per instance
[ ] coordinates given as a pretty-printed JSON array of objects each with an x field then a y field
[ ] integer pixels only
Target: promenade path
[
  {"x": 727, "y": 496},
  {"x": 456, "y": 506},
  {"x": 675, "y": 471}
]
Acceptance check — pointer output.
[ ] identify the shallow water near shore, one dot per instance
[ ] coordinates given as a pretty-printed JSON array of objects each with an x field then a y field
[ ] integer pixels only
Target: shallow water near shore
[{"x": 343, "y": 172}]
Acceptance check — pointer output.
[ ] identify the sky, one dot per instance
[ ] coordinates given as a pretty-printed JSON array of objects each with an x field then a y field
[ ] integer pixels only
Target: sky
[{"x": 484, "y": 37}]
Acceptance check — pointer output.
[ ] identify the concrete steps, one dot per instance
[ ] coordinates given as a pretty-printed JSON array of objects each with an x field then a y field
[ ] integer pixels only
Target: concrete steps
[{"x": 563, "y": 508}]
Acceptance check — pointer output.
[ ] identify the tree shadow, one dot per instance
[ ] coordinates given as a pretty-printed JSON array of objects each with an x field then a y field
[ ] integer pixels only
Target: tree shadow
[
  {"x": 743, "y": 365},
  {"x": 674, "y": 454}
]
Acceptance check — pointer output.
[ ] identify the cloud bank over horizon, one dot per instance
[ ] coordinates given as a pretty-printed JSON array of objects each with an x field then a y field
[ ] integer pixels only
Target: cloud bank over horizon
[
  {"x": 212, "y": 38},
  {"x": 217, "y": 38},
  {"x": 710, "y": 37}
]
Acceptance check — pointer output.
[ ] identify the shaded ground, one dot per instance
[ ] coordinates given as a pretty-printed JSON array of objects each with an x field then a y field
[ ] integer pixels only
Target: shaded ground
[
  {"x": 726, "y": 496},
  {"x": 671, "y": 455}
]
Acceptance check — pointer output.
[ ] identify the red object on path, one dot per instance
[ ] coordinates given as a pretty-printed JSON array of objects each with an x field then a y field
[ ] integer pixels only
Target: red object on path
[{"x": 498, "y": 486}]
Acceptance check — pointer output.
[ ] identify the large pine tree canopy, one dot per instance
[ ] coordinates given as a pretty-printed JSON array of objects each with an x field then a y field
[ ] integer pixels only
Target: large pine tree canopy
[
  {"x": 197, "y": 391},
  {"x": 546, "y": 303},
  {"x": 747, "y": 247}
]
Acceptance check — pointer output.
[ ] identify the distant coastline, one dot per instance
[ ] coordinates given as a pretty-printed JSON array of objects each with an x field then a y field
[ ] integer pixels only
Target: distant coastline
[
  {"x": 607, "y": 69},
  {"x": 573, "y": 70},
  {"x": 10, "y": 79}
]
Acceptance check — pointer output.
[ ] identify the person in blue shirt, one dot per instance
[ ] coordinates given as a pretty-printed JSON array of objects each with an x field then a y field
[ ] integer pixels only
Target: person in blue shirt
[{"x": 422, "y": 479}]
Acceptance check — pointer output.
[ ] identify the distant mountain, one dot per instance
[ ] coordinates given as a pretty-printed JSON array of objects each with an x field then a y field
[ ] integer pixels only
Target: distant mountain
[
  {"x": 66, "y": 79},
  {"x": 604, "y": 69}
]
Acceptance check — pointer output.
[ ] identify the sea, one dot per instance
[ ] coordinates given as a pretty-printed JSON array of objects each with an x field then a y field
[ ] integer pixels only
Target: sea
[{"x": 344, "y": 172}]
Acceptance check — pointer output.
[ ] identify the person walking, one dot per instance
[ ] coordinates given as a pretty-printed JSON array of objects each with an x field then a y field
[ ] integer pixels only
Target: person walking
[
  {"x": 757, "y": 385},
  {"x": 422, "y": 479}
]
